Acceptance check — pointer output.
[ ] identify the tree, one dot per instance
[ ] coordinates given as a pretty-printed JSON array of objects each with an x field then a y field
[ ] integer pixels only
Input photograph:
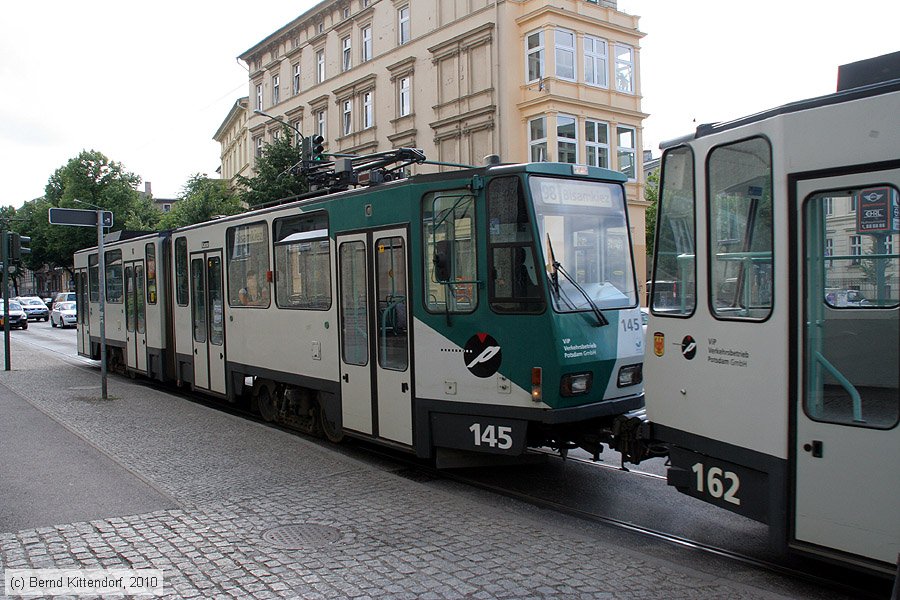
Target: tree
[
  {"x": 201, "y": 199},
  {"x": 651, "y": 195},
  {"x": 95, "y": 181},
  {"x": 274, "y": 179}
]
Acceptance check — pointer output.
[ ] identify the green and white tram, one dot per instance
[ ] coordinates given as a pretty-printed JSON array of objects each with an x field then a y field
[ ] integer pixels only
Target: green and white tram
[
  {"x": 773, "y": 359},
  {"x": 481, "y": 310}
]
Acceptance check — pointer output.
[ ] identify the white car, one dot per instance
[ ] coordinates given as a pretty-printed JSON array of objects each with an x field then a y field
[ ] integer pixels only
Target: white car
[
  {"x": 17, "y": 316},
  {"x": 63, "y": 314},
  {"x": 35, "y": 308}
]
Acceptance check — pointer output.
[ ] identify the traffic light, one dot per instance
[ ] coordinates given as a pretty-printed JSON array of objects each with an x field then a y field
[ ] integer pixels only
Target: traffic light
[
  {"x": 306, "y": 149},
  {"x": 317, "y": 148},
  {"x": 17, "y": 246}
]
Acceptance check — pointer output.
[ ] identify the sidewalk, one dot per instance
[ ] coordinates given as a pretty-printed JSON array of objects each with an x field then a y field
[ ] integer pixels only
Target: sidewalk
[{"x": 229, "y": 508}]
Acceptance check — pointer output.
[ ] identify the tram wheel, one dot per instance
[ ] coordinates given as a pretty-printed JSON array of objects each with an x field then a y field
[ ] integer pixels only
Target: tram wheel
[
  {"x": 265, "y": 402},
  {"x": 333, "y": 432}
]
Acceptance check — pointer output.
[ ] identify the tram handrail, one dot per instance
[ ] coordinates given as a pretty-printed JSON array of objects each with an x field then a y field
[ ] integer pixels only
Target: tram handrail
[{"x": 845, "y": 383}]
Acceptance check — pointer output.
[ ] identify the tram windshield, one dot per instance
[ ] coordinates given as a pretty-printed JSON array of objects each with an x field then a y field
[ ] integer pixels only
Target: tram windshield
[{"x": 583, "y": 224}]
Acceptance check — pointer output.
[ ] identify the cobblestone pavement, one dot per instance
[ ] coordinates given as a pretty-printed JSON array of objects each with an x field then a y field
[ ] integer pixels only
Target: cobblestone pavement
[{"x": 359, "y": 531}]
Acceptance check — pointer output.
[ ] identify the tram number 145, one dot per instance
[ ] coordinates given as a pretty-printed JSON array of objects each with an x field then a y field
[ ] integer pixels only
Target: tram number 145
[
  {"x": 717, "y": 483},
  {"x": 494, "y": 436}
]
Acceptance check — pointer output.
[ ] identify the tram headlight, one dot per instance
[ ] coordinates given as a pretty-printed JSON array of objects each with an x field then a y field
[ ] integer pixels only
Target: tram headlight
[
  {"x": 631, "y": 375},
  {"x": 537, "y": 376},
  {"x": 575, "y": 384}
]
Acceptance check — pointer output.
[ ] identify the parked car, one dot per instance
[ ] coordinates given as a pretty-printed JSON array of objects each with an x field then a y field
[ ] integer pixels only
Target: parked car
[
  {"x": 63, "y": 314},
  {"x": 17, "y": 317},
  {"x": 35, "y": 308}
]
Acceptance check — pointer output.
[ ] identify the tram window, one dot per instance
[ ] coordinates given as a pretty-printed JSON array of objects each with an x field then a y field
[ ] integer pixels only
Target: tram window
[
  {"x": 94, "y": 277},
  {"x": 354, "y": 303},
  {"x": 674, "y": 281},
  {"x": 448, "y": 220},
  {"x": 740, "y": 230},
  {"x": 513, "y": 282},
  {"x": 390, "y": 282},
  {"x": 247, "y": 247},
  {"x": 114, "y": 282},
  {"x": 150, "y": 256},
  {"x": 181, "y": 272},
  {"x": 303, "y": 262},
  {"x": 851, "y": 322},
  {"x": 198, "y": 292}
]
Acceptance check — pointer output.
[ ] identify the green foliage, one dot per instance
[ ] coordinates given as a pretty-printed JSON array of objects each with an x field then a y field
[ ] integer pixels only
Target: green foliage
[
  {"x": 651, "y": 195},
  {"x": 202, "y": 199},
  {"x": 274, "y": 179},
  {"x": 95, "y": 181}
]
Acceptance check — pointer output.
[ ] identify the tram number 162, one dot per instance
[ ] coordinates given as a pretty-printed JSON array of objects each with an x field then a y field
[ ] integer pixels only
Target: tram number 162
[{"x": 717, "y": 483}]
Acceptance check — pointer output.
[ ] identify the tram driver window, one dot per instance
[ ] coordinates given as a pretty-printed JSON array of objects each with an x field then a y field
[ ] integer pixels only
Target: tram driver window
[
  {"x": 740, "y": 224},
  {"x": 448, "y": 221},
  {"x": 247, "y": 248}
]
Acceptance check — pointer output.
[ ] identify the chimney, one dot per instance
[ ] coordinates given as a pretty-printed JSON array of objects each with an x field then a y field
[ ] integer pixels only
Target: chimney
[{"x": 147, "y": 188}]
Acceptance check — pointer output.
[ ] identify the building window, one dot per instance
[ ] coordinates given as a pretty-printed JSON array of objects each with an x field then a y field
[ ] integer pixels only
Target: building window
[
  {"x": 829, "y": 206},
  {"x": 348, "y": 117},
  {"x": 321, "y": 124},
  {"x": 595, "y": 66},
  {"x": 829, "y": 251},
  {"x": 320, "y": 66},
  {"x": 403, "y": 24},
  {"x": 596, "y": 136},
  {"x": 276, "y": 89},
  {"x": 259, "y": 97},
  {"x": 367, "y": 43},
  {"x": 565, "y": 54},
  {"x": 853, "y": 203},
  {"x": 346, "y": 58},
  {"x": 624, "y": 69},
  {"x": 566, "y": 139},
  {"x": 625, "y": 143},
  {"x": 259, "y": 147},
  {"x": 295, "y": 126},
  {"x": 296, "y": 85},
  {"x": 276, "y": 135},
  {"x": 320, "y": 28},
  {"x": 368, "y": 110},
  {"x": 537, "y": 139},
  {"x": 405, "y": 96},
  {"x": 346, "y": 12},
  {"x": 855, "y": 248},
  {"x": 534, "y": 56}
]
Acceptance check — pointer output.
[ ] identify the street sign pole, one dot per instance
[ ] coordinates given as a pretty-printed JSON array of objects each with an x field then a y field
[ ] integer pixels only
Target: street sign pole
[
  {"x": 101, "y": 266},
  {"x": 4, "y": 257}
]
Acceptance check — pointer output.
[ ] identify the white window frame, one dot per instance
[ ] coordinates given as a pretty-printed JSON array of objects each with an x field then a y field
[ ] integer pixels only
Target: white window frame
[
  {"x": 403, "y": 26},
  {"x": 295, "y": 127},
  {"x": 597, "y": 146},
  {"x": 624, "y": 69},
  {"x": 632, "y": 151},
  {"x": 534, "y": 143},
  {"x": 569, "y": 141},
  {"x": 321, "y": 123},
  {"x": 829, "y": 206},
  {"x": 346, "y": 53},
  {"x": 259, "y": 96},
  {"x": 276, "y": 89},
  {"x": 347, "y": 118},
  {"x": 564, "y": 51},
  {"x": 537, "y": 50},
  {"x": 320, "y": 65},
  {"x": 366, "y": 43},
  {"x": 368, "y": 110},
  {"x": 829, "y": 251},
  {"x": 405, "y": 96},
  {"x": 296, "y": 81},
  {"x": 259, "y": 147},
  {"x": 596, "y": 61},
  {"x": 855, "y": 248}
]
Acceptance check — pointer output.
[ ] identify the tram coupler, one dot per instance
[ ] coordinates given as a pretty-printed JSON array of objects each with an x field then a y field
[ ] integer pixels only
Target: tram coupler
[{"x": 632, "y": 437}]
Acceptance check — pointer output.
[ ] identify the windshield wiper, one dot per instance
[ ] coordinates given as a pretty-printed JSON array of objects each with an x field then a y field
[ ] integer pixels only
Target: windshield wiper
[{"x": 556, "y": 268}]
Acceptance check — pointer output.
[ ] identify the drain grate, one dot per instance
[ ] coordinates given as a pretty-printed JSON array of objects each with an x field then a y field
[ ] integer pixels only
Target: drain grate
[{"x": 300, "y": 536}]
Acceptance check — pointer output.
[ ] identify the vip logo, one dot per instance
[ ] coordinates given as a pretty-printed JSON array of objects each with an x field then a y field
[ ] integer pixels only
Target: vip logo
[{"x": 482, "y": 355}]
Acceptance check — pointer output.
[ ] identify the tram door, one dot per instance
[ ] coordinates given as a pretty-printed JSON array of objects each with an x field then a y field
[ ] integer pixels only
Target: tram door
[
  {"x": 84, "y": 312},
  {"x": 135, "y": 317},
  {"x": 847, "y": 443},
  {"x": 375, "y": 372},
  {"x": 208, "y": 321}
]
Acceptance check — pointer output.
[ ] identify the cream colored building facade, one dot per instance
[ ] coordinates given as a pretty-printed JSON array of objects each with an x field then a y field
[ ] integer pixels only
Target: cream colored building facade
[
  {"x": 555, "y": 80},
  {"x": 232, "y": 137}
]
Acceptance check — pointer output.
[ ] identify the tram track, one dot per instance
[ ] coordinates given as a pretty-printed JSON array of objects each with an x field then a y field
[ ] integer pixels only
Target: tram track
[{"x": 424, "y": 471}]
